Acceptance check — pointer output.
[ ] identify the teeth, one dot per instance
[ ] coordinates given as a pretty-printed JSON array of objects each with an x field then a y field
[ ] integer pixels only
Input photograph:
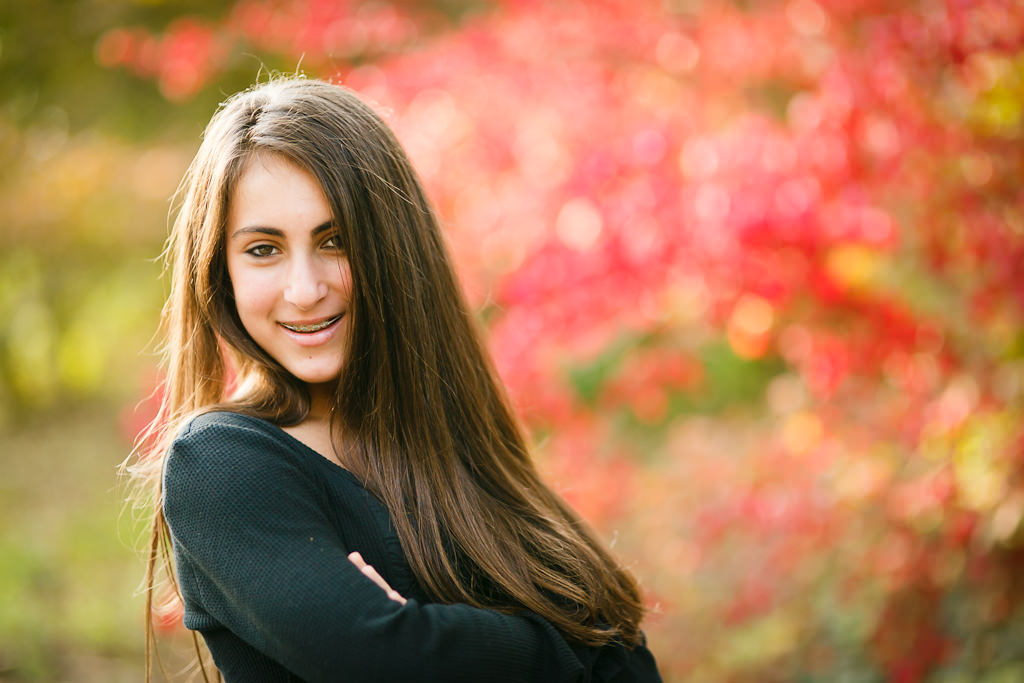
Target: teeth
[{"x": 312, "y": 328}]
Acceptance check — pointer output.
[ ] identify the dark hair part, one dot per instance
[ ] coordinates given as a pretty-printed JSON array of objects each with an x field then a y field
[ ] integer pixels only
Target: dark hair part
[{"x": 420, "y": 415}]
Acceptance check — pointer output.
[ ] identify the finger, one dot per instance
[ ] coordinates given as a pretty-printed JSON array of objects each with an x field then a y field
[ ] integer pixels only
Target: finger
[
  {"x": 375, "y": 576},
  {"x": 358, "y": 561},
  {"x": 379, "y": 580}
]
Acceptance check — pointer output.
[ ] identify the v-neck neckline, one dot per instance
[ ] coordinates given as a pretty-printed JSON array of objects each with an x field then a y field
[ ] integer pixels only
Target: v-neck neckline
[{"x": 303, "y": 446}]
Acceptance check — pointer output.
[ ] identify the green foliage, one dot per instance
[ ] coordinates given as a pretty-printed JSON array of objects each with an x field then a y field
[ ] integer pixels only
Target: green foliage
[
  {"x": 69, "y": 560},
  {"x": 731, "y": 380}
]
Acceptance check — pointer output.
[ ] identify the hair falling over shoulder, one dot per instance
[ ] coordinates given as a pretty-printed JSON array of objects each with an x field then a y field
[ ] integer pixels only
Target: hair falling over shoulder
[{"x": 420, "y": 413}]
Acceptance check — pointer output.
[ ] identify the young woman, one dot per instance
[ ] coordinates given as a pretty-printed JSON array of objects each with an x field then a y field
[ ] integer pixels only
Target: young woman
[{"x": 345, "y": 489}]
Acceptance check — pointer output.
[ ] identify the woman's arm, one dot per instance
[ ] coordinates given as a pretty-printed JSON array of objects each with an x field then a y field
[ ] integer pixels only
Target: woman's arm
[
  {"x": 612, "y": 663},
  {"x": 257, "y": 553}
]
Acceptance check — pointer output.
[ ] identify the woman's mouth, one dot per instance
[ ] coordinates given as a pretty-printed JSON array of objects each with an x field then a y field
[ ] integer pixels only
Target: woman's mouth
[{"x": 310, "y": 328}]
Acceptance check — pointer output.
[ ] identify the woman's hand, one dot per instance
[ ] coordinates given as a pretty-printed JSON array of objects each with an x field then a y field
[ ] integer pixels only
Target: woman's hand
[{"x": 358, "y": 561}]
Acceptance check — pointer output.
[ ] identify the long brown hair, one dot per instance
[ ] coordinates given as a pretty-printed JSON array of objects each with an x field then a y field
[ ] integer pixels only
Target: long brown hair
[{"x": 427, "y": 425}]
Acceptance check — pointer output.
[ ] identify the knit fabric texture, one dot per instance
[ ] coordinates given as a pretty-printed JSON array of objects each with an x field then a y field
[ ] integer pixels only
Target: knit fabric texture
[{"x": 261, "y": 526}]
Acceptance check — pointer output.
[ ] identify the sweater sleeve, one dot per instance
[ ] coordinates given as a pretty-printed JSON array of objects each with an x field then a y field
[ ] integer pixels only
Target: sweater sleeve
[{"x": 256, "y": 550}]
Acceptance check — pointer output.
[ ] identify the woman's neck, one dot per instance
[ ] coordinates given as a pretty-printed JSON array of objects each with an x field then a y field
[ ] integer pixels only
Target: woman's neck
[
  {"x": 321, "y": 397},
  {"x": 315, "y": 430}
]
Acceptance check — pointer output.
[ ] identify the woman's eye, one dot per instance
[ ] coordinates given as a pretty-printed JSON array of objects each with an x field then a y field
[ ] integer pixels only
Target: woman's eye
[
  {"x": 331, "y": 243},
  {"x": 262, "y": 250}
]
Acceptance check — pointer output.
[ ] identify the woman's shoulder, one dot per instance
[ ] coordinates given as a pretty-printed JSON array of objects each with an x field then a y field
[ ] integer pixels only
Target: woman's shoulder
[
  {"x": 223, "y": 443},
  {"x": 221, "y": 460},
  {"x": 223, "y": 422}
]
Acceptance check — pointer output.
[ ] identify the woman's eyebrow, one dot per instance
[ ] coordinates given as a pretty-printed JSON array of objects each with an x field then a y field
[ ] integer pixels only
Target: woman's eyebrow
[
  {"x": 275, "y": 232},
  {"x": 258, "y": 229},
  {"x": 324, "y": 227}
]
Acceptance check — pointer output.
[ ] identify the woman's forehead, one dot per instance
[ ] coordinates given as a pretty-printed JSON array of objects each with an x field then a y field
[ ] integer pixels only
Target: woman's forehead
[{"x": 275, "y": 193}]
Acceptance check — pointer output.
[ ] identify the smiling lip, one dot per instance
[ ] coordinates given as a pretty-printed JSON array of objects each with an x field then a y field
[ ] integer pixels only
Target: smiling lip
[
  {"x": 309, "y": 327},
  {"x": 313, "y": 333}
]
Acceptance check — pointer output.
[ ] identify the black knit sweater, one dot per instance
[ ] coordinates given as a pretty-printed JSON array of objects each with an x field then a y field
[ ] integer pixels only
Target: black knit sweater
[{"x": 261, "y": 527}]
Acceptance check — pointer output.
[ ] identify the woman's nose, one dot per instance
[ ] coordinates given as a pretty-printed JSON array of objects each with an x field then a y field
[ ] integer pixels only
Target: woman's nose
[{"x": 305, "y": 286}]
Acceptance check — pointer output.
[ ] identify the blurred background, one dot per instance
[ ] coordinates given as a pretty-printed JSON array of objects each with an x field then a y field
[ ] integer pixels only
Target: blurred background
[{"x": 752, "y": 271}]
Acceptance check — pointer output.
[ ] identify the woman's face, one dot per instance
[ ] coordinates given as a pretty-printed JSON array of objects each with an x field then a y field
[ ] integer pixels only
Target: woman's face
[{"x": 291, "y": 280}]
